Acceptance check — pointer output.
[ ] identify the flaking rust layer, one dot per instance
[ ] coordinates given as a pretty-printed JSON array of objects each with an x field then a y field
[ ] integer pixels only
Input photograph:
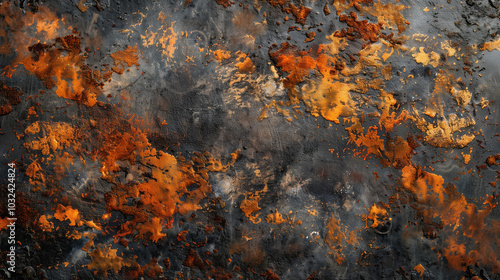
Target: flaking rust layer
[{"x": 277, "y": 139}]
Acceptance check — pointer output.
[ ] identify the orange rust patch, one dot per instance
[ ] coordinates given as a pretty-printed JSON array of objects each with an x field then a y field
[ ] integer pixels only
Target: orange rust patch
[
  {"x": 389, "y": 15},
  {"x": 164, "y": 195},
  {"x": 270, "y": 275},
  {"x": 250, "y": 207},
  {"x": 62, "y": 60},
  {"x": 493, "y": 45},
  {"x": 420, "y": 269},
  {"x": 104, "y": 259},
  {"x": 492, "y": 160},
  {"x": 15, "y": 28},
  {"x": 445, "y": 133},
  {"x": 451, "y": 207},
  {"x": 4, "y": 223},
  {"x": 342, "y": 5},
  {"x": 275, "y": 218},
  {"x": 359, "y": 29},
  {"x": 127, "y": 57},
  {"x": 68, "y": 213},
  {"x": 246, "y": 66},
  {"x": 334, "y": 237},
  {"x": 378, "y": 215},
  {"x": 222, "y": 55},
  {"x": 9, "y": 96},
  {"x": 58, "y": 135}
]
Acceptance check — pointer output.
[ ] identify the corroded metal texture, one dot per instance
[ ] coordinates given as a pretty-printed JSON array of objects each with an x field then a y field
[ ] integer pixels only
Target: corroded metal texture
[{"x": 277, "y": 139}]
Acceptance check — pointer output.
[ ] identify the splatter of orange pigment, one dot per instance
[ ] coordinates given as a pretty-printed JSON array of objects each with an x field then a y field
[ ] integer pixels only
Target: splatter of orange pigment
[
  {"x": 193, "y": 260},
  {"x": 225, "y": 3},
  {"x": 104, "y": 259},
  {"x": 164, "y": 39},
  {"x": 222, "y": 55},
  {"x": 9, "y": 96},
  {"x": 36, "y": 175},
  {"x": 388, "y": 120},
  {"x": 370, "y": 140},
  {"x": 127, "y": 57},
  {"x": 331, "y": 100},
  {"x": 63, "y": 61},
  {"x": 446, "y": 84},
  {"x": 394, "y": 152},
  {"x": 270, "y": 275}
]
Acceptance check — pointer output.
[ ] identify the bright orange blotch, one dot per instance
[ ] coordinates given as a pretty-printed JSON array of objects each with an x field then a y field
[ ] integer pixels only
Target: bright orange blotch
[
  {"x": 222, "y": 55},
  {"x": 45, "y": 225},
  {"x": 378, "y": 215},
  {"x": 165, "y": 194},
  {"x": 68, "y": 213},
  {"x": 245, "y": 65},
  {"x": 63, "y": 61}
]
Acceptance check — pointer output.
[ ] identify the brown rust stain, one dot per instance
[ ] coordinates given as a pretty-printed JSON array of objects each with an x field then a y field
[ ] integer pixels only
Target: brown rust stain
[
  {"x": 250, "y": 207},
  {"x": 9, "y": 97}
]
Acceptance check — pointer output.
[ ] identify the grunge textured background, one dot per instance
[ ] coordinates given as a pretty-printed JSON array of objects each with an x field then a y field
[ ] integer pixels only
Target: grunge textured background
[{"x": 266, "y": 139}]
